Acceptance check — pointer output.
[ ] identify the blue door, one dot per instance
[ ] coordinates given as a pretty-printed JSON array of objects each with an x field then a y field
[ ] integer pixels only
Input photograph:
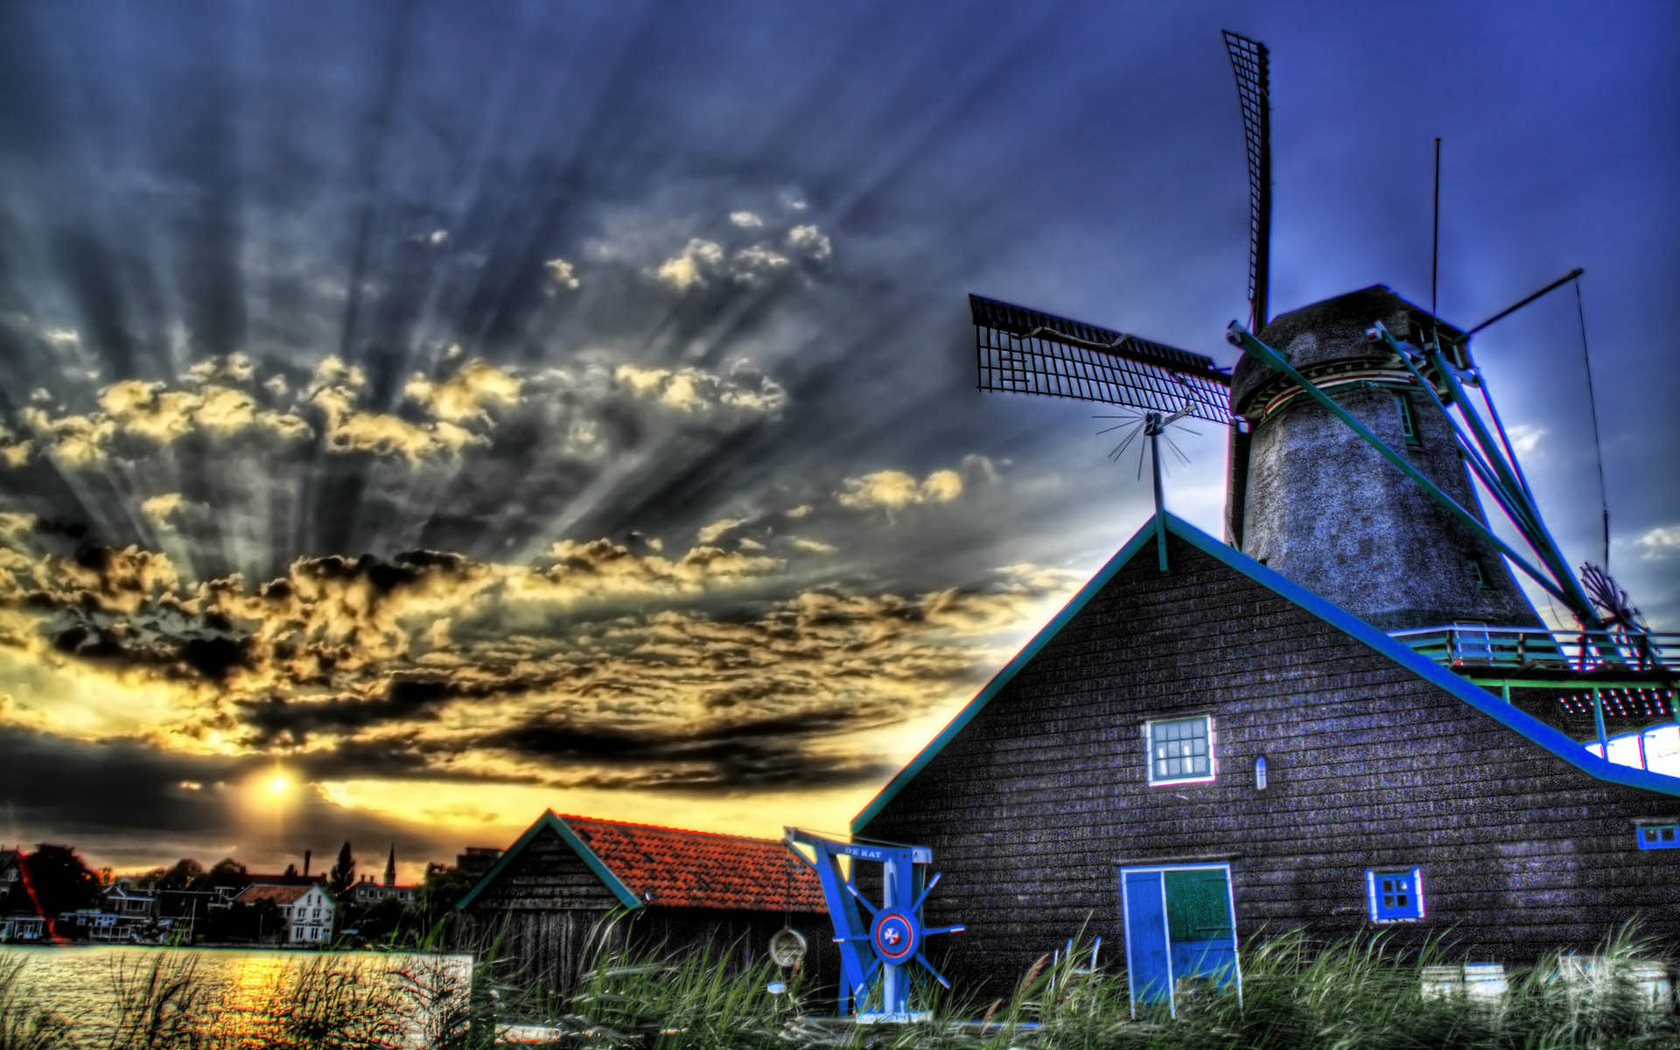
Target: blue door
[
  {"x": 1179, "y": 924},
  {"x": 1148, "y": 965}
]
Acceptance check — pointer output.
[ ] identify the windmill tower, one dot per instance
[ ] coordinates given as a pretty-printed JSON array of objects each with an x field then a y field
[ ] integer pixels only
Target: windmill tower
[
  {"x": 1311, "y": 499},
  {"x": 1356, "y": 425},
  {"x": 1348, "y": 473}
]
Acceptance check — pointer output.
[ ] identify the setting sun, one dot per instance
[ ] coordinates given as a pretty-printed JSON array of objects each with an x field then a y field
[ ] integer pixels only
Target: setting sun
[{"x": 279, "y": 784}]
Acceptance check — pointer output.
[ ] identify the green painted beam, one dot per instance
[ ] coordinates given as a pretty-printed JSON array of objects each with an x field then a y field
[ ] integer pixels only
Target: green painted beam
[
  {"x": 1242, "y": 337},
  {"x": 1541, "y": 540}
]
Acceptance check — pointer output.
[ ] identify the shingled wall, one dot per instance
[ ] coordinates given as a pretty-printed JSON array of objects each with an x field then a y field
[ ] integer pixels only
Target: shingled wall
[
  {"x": 1035, "y": 805},
  {"x": 546, "y": 905},
  {"x": 549, "y": 909}
]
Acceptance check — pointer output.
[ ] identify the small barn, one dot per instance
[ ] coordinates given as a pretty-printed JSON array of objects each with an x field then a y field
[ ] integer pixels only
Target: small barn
[
  {"x": 1197, "y": 749},
  {"x": 676, "y": 889}
]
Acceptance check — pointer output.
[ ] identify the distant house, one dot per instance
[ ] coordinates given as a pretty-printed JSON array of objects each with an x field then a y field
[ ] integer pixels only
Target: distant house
[
  {"x": 20, "y": 920},
  {"x": 368, "y": 892},
  {"x": 477, "y": 859},
  {"x": 681, "y": 889},
  {"x": 124, "y": 898},
  {"x": 22, "y": 929},
  {"x": 1197, "y": 748},
  {"x": 307, "y": 910}
]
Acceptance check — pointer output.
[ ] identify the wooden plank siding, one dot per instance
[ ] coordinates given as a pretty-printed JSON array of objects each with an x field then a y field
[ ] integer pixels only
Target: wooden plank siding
[
  {"x": 1035, "y": 804},
  {"x": 548, "y": 908},
  {"x": 551, "y": 912}
]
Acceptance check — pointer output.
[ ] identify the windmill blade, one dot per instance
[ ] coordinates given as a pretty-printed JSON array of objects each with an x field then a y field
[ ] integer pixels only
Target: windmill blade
[
  {"x": 1250, "y": 63},
  {"x": 1029, "y": 352}
]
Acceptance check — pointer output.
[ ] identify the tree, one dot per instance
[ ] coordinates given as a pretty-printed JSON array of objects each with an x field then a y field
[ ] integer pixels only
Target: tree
[
  {"x": 343, "y": 874},
  {"x": 59, "y": 881},
  {"x": 181, "y": 875},
  {"x": 227, "y": 872}
]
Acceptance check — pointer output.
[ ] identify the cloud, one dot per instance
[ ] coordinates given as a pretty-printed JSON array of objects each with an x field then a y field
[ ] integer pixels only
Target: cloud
[
  {"x": 561, "y": 274},
  {"x": 811, "y": 242},
  {"x": 466, "y": 395},
  {"x": 752, "y": 263},
  {"x": 895, "y": 489},
  {"x": 709, "y": 534},
  {"x": 695, "y": 391},
  {"x": 812, "y": 546},
  {"x": 62, "y": 338},
  {"x": 692, "y": 265},
  {"x": 1525, "y": 438},
  {"x": 1660, "y": 542},
  {"x": 746, "y": 220},
  {"x": 131, "y": 803},
  {"x": 708, "y": 672},
  {"x": 159, "y": 508}
]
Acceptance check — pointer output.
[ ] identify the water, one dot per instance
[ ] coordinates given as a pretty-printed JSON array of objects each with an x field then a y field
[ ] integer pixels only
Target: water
[{"x": 249, "y": 997}]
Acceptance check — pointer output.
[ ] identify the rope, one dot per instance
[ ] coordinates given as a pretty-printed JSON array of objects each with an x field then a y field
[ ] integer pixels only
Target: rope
[{"x": 1592, "y": 403}]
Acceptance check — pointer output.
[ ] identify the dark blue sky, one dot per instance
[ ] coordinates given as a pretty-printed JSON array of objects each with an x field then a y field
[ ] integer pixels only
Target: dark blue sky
[{"x": 650, "y": 322}]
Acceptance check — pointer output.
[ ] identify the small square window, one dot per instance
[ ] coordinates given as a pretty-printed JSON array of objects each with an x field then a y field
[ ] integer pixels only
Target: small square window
[
  {"x": 1659, "y": 836},
  {"x": 1180, "y": 750},
  {"x": 1479, "y": 573},
  {"x": 1395, "y": 896},
  {"x": 1408, "y": 421}
]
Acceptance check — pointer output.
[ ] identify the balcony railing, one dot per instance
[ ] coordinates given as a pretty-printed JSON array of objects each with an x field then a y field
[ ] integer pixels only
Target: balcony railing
[{"x": 1472, "y": 647}]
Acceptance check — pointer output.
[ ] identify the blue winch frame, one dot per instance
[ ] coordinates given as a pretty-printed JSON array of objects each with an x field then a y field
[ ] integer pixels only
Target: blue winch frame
[{"x": 894, "y": 934}]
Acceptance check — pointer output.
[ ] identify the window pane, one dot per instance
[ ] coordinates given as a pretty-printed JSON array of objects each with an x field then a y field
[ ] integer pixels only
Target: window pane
[{"x": 1180, "y": 749}]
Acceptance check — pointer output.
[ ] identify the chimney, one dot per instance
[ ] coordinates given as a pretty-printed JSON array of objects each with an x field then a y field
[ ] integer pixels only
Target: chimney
[{"x": 306, "y": 864}]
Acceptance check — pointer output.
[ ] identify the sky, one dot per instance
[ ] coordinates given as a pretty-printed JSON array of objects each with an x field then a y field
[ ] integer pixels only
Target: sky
[{"x": 419, "y": 415}]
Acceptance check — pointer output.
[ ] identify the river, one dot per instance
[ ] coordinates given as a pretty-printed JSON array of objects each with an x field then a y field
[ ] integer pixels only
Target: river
[{"x": 246, "y": 998}]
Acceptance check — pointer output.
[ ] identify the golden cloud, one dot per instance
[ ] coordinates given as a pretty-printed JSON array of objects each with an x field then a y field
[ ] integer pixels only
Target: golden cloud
[
  {"x": 895, "y": 489},
  {"x": 464, "y": 396}
]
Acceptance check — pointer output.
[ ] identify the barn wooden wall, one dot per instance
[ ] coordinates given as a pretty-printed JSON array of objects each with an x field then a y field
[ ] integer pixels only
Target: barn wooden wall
[
  {"x": 550, "y": 910},
  {"x": 545, "y": 906},
  {"x": 1033, "y": 808}
]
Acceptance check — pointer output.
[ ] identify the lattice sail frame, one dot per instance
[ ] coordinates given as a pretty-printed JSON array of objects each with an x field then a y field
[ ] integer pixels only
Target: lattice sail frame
[
  {"x": 1251, "y": 65},
  {"x": 1029, "y": 352}
]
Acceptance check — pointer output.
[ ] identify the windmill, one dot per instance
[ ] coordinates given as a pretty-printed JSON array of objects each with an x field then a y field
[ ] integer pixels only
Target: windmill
[{"x": 1320, "y": 400}]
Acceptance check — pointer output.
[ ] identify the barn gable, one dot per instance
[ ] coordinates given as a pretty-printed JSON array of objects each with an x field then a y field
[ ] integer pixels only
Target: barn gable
[
  {"x": 1039, "y": 798},
  {"x": 640, "y": 865},
  {"x": 1166, "y": 524},
  {"x": 550, "y": 854},
  {"x": 552, "y": 898}
]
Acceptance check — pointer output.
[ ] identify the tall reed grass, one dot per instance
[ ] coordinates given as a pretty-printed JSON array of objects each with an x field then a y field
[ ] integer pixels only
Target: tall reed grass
[{"x": 1359, "y": 994}]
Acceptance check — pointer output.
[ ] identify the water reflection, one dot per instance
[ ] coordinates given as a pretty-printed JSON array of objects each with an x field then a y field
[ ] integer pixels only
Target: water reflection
[{"x": 247, "y": 998}]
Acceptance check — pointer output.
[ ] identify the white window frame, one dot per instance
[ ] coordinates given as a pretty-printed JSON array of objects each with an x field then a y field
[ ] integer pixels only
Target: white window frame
[
  {"x": 1373, "y": 893},
  {"x": 1149, "y": 752}
]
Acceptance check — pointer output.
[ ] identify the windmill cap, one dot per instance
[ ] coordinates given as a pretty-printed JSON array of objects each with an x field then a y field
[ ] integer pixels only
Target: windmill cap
[{"x": 1337, "y": 329}]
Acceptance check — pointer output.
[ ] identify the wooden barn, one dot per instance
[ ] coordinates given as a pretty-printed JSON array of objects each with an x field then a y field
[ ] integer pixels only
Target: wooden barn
[
  {"x": 1197, "y": 749},
  {"x": 675, "y": 890}
]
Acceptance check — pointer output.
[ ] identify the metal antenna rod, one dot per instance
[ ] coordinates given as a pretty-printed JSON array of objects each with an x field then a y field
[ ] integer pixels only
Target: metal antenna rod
[
  {"x": 1559, "y": 283},
  {"x": 1598, "y": 444},
  {"x": 1435, "y": 248}
]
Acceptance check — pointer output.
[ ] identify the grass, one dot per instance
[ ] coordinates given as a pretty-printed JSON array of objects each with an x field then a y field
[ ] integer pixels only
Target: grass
[{"x": 1297, "y": 995}]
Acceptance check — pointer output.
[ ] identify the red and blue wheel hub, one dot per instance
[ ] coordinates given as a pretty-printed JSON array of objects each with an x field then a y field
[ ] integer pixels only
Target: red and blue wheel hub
[{"x": 896, "y": 937}]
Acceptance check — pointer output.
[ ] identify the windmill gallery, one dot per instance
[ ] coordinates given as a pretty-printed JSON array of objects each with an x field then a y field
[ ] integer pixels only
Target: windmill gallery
[{"x": 1346, "y": 714}]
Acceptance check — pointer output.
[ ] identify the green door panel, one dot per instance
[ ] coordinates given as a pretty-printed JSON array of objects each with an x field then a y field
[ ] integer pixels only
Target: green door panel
[{"x": 1198, "y": 905}]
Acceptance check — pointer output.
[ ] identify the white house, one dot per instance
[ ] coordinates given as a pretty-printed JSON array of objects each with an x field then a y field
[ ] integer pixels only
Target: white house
[{"x": 307, "y": 910}]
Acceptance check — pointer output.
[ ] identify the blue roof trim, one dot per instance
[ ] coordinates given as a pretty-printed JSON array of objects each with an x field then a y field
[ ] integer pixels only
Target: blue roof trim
[
  {"x": 1003, "y": 677},
  {"x": 569, "y": 837},
  {"x": 1507, "y": 715}
]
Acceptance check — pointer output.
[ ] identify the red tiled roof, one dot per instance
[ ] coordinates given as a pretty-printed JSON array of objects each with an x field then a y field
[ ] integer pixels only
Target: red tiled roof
[
  {"x": 699, "y": 869},
  {"x": 270, "y": 892}
]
